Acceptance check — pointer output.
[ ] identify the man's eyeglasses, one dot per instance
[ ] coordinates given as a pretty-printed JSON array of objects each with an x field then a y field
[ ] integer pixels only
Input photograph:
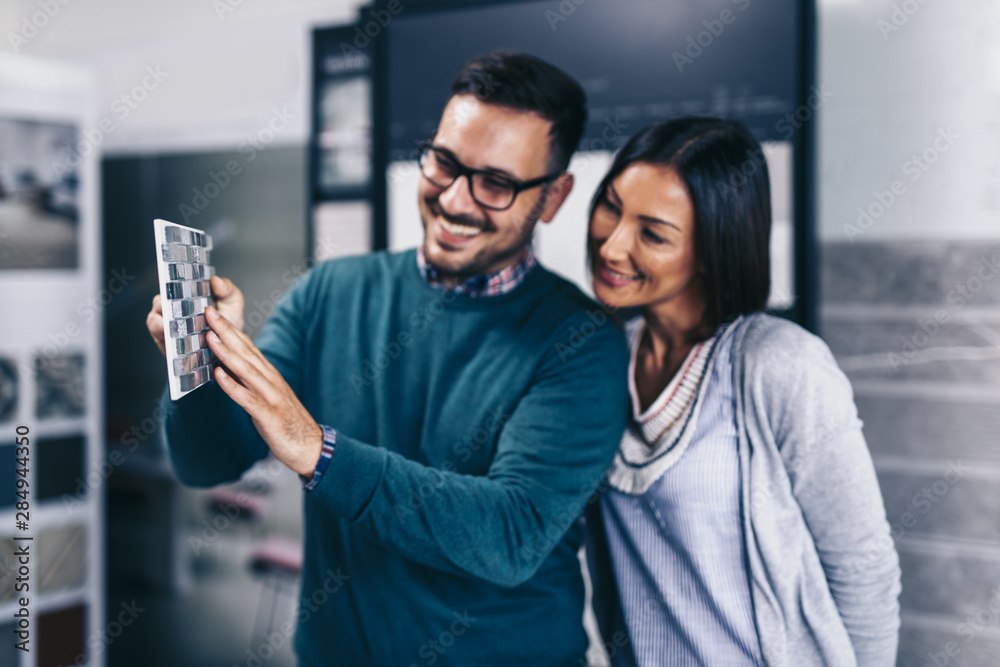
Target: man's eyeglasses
[{"x": 489, "y": 189}]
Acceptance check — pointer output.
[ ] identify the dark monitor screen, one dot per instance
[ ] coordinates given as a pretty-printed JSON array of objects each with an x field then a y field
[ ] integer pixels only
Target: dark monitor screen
[{"x": 639, "y": 61}]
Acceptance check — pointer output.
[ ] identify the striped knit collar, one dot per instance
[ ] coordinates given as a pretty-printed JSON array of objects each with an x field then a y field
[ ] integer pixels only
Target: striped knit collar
[
  {"x": 656, "y": 437},
  {"x": 674, "y": 401},
  {"x": 488, "y": 284}
]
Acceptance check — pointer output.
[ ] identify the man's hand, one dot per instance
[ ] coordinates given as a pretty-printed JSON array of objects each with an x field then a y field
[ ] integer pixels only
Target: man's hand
[
  {"x": 228, "y": 299},
  {"x": 288, "y": 429}
]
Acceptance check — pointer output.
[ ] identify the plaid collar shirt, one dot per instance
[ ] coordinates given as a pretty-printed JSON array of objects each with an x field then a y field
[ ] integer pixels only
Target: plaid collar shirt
[{"x": 487, "y": 284}]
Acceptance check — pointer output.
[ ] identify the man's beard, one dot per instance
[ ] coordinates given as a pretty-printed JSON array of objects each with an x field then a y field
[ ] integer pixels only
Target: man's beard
[{"x": 486, "y": 257}]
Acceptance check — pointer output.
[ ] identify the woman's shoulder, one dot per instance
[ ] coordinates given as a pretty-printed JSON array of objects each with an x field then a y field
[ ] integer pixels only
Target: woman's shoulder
[
  {"x": 788, "y": 362},
  {"x": 763, "y": 338}
]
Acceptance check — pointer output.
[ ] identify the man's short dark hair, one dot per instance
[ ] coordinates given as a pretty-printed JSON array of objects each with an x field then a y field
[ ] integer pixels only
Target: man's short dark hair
[
  {"x": 723, "y": 168},
  {"x": 521, "y": 81}
]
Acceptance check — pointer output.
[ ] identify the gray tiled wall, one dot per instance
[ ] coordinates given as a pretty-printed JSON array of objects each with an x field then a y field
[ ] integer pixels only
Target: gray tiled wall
[{"x": 929, "y": 394}]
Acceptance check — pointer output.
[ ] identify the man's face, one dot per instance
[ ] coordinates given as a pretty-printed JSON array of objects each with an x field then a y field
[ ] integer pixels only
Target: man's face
[{"x": 461, "y": 238}]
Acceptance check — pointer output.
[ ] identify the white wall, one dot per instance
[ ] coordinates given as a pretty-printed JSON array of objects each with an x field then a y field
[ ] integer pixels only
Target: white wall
[
  {"x": 893, "y": 91},
  {"x": 223, "y": 76}
]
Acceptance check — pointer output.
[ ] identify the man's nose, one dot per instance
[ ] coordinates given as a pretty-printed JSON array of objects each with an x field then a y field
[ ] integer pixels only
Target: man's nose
[{"x": 456, "y": 199}]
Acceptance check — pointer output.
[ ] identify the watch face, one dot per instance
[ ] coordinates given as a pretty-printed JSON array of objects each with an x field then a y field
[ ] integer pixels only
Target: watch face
[{"x": 183, "y": 260}]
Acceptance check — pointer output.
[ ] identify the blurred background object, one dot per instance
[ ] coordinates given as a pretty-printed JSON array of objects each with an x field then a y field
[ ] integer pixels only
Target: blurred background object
[{"x": 286, "y": 130}]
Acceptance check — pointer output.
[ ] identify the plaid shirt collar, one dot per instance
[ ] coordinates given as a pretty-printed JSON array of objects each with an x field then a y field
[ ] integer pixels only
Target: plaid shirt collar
[{"x": 487, "y": 284}]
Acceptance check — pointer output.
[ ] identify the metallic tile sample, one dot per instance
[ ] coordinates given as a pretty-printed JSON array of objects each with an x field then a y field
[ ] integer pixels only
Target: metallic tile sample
[
  {"x": 194, "y": 380},
  {"x": 183, "y": 263},
  {"x": 188, "y": 289},
  {"x": 190, "y": 271},
  {"x": 188, "y": 363},
  {"x": 188, "y": 307},
  {"x": 187, "y": 326},
  {"x": 171, "y": 252},
  {"x": 189, "y": 344}
]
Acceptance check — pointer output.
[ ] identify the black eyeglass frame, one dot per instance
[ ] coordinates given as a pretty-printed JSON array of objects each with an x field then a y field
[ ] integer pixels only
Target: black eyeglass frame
[{"x": 519, "y": 186}]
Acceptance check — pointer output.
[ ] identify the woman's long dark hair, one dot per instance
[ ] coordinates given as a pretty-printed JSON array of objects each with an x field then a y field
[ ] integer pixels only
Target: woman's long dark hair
[{"x": 723, "y": 167}]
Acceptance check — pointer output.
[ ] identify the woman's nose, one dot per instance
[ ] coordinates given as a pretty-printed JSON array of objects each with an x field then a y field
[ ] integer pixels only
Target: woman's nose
[{"x": 617, "y": 248}]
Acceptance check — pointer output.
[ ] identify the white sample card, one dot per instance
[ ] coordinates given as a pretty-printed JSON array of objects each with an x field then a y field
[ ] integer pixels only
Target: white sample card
[{"x": 184, "y": 266}]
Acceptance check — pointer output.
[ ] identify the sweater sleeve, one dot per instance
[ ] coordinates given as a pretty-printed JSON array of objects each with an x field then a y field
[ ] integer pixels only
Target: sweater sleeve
[
  {"x": 211, "y": 439},
  {"x": 552, "y": 452},
  {"x": 815, "y": 424}
]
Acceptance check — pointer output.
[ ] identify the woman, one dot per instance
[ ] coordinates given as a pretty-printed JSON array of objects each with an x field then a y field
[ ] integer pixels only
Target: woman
[{"x": 742, "y": 522}]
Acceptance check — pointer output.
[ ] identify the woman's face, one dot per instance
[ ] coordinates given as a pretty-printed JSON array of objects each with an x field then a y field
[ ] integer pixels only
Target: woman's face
[{"x": 642, "y": 241}]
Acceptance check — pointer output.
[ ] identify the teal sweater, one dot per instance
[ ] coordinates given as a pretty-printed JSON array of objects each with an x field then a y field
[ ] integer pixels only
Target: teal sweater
[{"x": 471, "y": 432}]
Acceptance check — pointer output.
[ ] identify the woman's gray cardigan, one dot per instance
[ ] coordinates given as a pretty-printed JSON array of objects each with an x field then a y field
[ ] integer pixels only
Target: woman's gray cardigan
[{"x": 824, "y": 573}]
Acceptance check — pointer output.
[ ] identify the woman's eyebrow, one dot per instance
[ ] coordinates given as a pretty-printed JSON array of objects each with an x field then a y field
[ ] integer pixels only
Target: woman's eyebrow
[
  {"x": 649, "y": 218},
  {"x": 611, "y": 189},
  {"x": 645, "y": 218}
]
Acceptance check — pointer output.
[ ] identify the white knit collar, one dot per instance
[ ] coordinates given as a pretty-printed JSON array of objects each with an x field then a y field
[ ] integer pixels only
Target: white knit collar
[{"x": 668, "y": 423}]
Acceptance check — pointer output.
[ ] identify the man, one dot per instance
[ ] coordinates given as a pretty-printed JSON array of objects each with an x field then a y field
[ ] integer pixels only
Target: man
[{"x": 451, "y": 409}]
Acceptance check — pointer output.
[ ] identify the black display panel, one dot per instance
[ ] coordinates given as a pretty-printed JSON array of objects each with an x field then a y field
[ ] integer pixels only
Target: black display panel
[
  {"x": 59, "y": 468},
  {"x": 639, "y": 61}
]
